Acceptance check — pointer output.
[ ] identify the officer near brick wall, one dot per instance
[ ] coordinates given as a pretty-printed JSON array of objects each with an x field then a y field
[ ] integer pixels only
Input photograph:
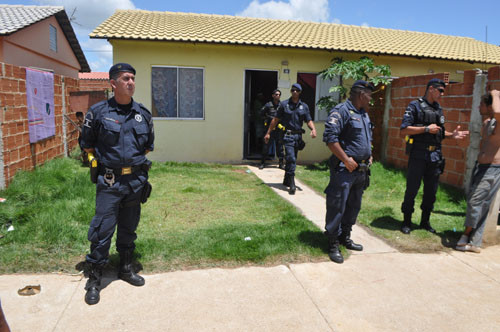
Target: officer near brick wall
[
  {"x": 423, "y": 125},
  {"x": 119, "y": 132},
  {"x": 268, "y": 113},
  {"x": 292, "y": 114},
  {"x": 348, "y": 134}
]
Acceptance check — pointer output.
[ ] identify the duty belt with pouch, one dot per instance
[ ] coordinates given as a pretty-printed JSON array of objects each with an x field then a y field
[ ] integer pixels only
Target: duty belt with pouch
[
  {"x": 294, "y": 132},
  {"x": 363, "y": 166}
]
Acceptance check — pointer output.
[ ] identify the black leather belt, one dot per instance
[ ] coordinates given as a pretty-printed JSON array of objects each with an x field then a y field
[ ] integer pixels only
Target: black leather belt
[{"x": 425, "y": 146}]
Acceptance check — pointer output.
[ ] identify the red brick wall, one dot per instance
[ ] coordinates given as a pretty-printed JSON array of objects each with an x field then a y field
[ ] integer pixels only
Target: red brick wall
[
  {"x": 377, "y": 117},
  {"x": 494, "y": 78},
  {"x": 456, "y": 104},
  {"x": 94, "y": 85},
  {"x": 18, "y": 153},
  {"x": 81, "y": 101}
]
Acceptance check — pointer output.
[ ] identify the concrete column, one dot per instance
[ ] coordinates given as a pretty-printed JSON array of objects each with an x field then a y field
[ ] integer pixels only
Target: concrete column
[
  {"x": 491, "y": 233},
  {"x": 385, "y": 123},
  {"x": 475, "y": 125}
]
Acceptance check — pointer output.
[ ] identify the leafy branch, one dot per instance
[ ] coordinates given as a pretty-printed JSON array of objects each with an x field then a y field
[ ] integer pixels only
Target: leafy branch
[{"x": 362, "y": 69}]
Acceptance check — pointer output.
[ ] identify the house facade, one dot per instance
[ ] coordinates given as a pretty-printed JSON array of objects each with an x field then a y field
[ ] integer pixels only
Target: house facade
[
  {"x": 41, "y": 37},
  {"x": 201, "y": 75}
]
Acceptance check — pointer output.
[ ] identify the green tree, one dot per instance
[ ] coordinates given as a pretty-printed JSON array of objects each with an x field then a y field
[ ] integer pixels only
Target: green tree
[{"x": 362, "y": 69}]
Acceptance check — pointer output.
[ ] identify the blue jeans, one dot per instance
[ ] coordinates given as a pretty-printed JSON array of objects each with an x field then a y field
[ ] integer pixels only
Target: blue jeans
[{"x": 484, "y": 187}]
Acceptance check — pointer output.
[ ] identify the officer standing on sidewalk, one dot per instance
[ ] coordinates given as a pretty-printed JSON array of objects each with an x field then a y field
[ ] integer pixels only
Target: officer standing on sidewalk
[
  {"x": 423, "y": 123},
  {"x": 348, "y": 134},
  {"x": 292, "y": 114},
  {"x": 268, "y": 113},
  {"x": 119, "y": 131}
]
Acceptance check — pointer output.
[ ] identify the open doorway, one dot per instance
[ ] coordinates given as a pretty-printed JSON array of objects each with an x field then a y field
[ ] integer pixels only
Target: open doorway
[{"x": 259, "y": 84}]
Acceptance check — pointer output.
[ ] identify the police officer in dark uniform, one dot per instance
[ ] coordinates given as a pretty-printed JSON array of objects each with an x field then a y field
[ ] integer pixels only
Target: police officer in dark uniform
[
  {"x": 348, "y": 134},
  {"x": 423, "y": 125},
  {"x": 292, "y": 113},
  {"x": 268, "y": 113},
  {"x": 119, "y": 132}
]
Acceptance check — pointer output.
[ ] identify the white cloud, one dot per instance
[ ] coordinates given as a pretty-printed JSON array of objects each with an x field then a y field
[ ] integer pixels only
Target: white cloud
[
  {"x": 365, "y": 25},
  {"x": 85, "y": 16},
  {"x": 299, "y": 10},
  {"x": 336, "y": 21}
]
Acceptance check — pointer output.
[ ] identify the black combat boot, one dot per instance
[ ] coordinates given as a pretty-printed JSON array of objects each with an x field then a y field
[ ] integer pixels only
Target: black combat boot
[
  {"x": 345, "y": 240},
  {"x": 93, "y": 284},
  {"x": 281, "y": 164},
  {"x": 406, "y": 227},
  {"x": 286, "y": 180},
  {"x": 292, "y": 189},
  {"x": 126, "y": 272},
  {"x": 334, "y": 249},
  {"x": 424, "y": 222}
]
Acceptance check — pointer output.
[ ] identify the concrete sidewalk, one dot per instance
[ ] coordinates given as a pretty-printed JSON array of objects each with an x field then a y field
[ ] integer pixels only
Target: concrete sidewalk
[{"x": 378, "y": 289}]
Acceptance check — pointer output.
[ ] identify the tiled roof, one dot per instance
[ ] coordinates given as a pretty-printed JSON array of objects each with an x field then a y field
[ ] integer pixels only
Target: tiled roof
[
  {"x": 16, "y": 17},
  {"x": 188, "y": 27},
  {"x": 95, "y": 75}
]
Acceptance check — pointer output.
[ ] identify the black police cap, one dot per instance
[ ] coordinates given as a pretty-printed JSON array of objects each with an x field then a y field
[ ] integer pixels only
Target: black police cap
[
  {"x": 436, "y": 82},
  {"x": 363, "y": 85},
  {"x": 119, "y": 67}
]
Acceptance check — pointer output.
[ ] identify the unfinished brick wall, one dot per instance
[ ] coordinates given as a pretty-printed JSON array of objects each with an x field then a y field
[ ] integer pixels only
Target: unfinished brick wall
[
  {"x": 94, "y": 85},
  {"x": 376, "y": 117},
  {"x": 456, "y": 104},
  {"x": 494, "y": 78},
  {"x": 81, "y": 101},
  {"x": 18, "y": 153}
]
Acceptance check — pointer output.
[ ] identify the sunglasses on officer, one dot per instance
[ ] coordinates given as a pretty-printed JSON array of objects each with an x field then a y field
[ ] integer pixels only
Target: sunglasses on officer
[
  {"x": 295, "y": 90},
  {"x": 438, "y": 88}
]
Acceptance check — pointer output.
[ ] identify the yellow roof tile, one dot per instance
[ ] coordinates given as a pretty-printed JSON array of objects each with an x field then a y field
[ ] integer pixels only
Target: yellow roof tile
[{"x": 169, "y": 26}]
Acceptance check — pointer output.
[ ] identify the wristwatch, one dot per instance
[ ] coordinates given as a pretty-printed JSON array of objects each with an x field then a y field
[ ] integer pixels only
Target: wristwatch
[{"x": 426, "y": 130}]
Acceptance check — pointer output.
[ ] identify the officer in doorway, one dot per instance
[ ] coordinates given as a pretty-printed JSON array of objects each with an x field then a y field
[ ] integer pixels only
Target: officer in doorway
[
  {"x": 423, "y": 125},
  {"x": 119, "y": 132},
  {"x": 348, "y": 134},
  {"x": 292, "y": 113},
  {"x": 268, "y": 113}
]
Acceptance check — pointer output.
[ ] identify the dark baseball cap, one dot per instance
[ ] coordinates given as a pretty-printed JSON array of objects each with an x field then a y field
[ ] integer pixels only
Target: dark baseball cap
[
  {"x": 436, "y": 82},
  {"x": 363, "y": 85},
  {"x": 119, "y": 67},
  {"x": 297, "y": 86}
]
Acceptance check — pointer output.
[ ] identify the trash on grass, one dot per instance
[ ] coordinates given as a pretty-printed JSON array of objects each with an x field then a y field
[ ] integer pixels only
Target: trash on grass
[
  {"x": 249, "y": 171},
  {"x": 10, "y": 229},
  {"x": 2, "y": 199},
  {"x": 30, "y": 290},
  {"x": 248, "y": 238},
  {"x": 454, "y": 229}
]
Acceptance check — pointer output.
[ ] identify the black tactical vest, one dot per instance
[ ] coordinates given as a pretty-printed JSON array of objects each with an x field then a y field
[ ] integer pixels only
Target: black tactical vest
[{"x": 427, "y": 116}]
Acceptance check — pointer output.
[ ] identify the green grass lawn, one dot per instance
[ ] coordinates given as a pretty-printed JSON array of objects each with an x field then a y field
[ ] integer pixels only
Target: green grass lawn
[
  {"x": 197, "y": 216},
  {"x": 381, "y": 208}
]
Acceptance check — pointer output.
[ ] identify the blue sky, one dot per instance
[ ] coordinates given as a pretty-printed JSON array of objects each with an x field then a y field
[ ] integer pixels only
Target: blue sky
[{"x": 458, "y": 18}]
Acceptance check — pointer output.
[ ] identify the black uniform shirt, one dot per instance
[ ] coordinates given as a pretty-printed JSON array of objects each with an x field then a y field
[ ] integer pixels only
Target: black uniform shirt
[
  {"x": 293, "y": 115},
  {"x": 120, "y": 134},
  {"x": 414, "y": 116},
  {"x": 269, "y": 111}
]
